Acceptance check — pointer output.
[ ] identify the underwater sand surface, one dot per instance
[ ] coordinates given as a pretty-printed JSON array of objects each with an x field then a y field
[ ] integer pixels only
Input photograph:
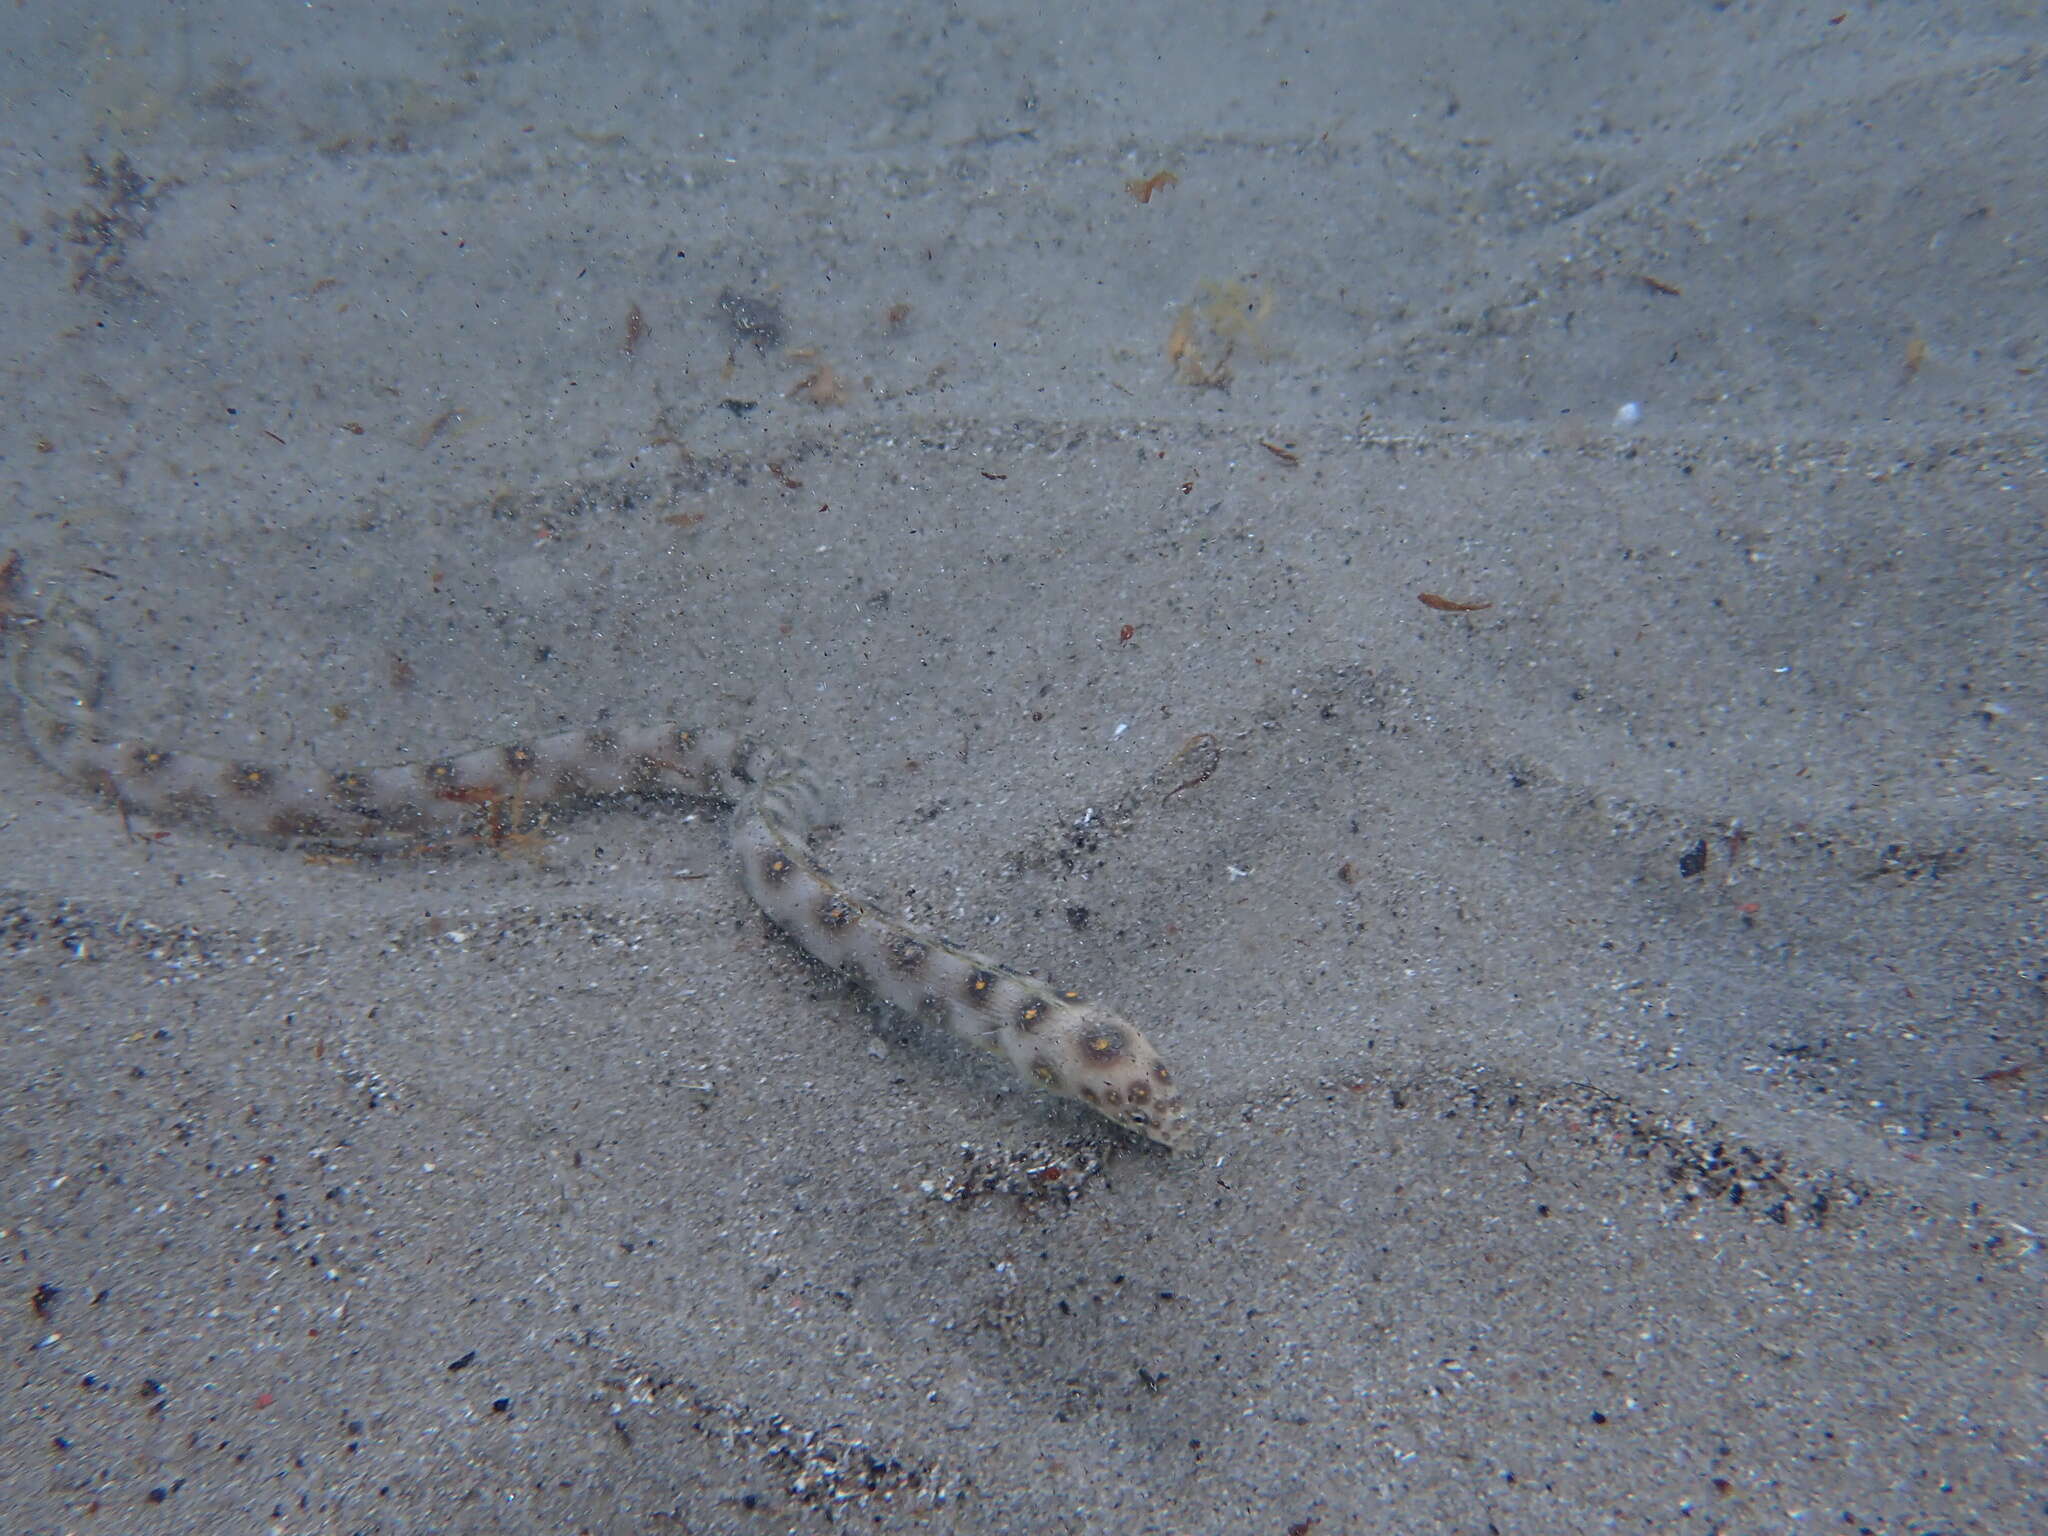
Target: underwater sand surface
[{"x": 1485, "y": 588}]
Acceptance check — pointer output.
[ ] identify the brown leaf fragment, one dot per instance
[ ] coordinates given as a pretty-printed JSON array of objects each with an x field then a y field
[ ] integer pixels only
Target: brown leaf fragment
[{"x": 1449, "y": 605}]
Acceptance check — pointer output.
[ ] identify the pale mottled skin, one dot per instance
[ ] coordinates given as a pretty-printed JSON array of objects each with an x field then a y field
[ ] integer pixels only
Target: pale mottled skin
[{"x": 1049, "y": 1035}]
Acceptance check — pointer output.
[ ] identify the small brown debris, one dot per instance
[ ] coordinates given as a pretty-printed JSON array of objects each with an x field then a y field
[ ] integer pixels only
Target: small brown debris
[
  {"x": 437, "y": 426},
  {"x": 1203, "y": 748},
  {"x": 1285, "y": 455},
  {"x": 1221, "y": 318},
  {"x": 1184, "y": 355},
  {"x": 783, "y": 477},
  {"x": 1916, "y": 354},
  {"x": 822, "y": 387},
  {"x": 1449, "y": 605},
  {"x": 1142, "y": 188},
  {"x": 1658, "y": 285},
  {"x": 636, "y": 330}
]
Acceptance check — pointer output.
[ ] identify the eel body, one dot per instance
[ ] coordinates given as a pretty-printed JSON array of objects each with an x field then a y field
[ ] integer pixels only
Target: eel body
[{"x": 1050, "y": 1035}]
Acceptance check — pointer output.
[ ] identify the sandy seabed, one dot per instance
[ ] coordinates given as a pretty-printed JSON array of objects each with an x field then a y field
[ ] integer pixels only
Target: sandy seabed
[{"x": 1482, "y": 580}]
